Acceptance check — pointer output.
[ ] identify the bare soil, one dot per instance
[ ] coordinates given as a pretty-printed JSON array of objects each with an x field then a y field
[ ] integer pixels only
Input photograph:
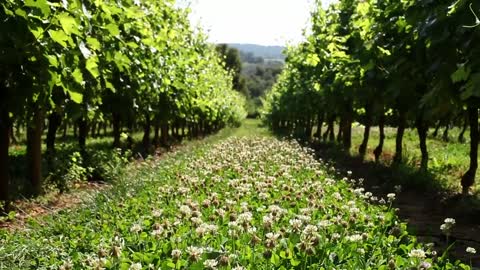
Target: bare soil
[{"x": 50, "y": 203}]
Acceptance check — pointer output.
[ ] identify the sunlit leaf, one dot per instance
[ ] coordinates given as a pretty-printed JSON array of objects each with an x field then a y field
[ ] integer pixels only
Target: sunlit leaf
[
  {"x": 113, "y": 29},
  {"x": 93, "y": 43},
  {"x": 76, "y": 97},
  {"x": 78, "y": 76},
  {"x": 92, "y": 66},
  {"x": 52, "y": 59},
  {"x": 68, "y": 23},
  {"x": 42, "y": 5},
  {"x": 21, "y": 12},
  {"x": 59, "y": 36}
]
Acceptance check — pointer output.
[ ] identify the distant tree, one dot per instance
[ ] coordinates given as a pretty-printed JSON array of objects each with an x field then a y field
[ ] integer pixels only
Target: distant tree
[
  {"x": 260, "y": 71},
  {"x": 249, "y": 57},
  {"x": 233, "y": 64}
]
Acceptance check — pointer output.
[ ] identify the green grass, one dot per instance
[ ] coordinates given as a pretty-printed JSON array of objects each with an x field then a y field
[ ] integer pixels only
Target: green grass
[
  {"x": 251, "y": 127},
  {"x": 236, "y": 200},
  {"x": 447, "y": 160}
]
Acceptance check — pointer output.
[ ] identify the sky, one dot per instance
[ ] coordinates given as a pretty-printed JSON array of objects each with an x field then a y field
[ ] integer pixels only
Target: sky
[{"x": 264, "y": 22}]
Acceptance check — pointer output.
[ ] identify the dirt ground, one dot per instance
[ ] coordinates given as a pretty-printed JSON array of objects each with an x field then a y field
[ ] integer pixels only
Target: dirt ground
[{"x": 50, "y": 203}]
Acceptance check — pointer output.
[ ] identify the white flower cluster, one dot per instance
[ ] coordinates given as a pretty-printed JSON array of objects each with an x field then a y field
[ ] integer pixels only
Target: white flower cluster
[{"x": 447, "y": 226}]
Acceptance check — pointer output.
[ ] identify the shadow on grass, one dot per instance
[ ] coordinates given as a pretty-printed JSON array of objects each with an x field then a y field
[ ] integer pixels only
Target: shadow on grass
[
  {"x": 423, "y": 203},
  {"x": 384, "y": 176}
]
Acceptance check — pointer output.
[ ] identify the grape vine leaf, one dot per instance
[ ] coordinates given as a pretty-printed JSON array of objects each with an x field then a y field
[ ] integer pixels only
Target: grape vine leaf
[
  {"x": 68, "y": 23},
  {"x": 59, "y": 36},
  {"x": 92, "y": 66},
  {"x": 113, "y": 29},
  {"x": 42, "y": 5},
  {"x": 75, "y": 96}
]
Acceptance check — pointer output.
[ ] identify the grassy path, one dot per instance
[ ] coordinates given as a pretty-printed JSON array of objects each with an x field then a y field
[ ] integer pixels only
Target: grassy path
[{"x": 241, "y": 199}]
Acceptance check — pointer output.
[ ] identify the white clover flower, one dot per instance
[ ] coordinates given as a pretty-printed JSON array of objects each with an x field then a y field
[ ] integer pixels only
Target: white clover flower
[
  {"x": 195, "y": 253},
  {"x": 185, "y": 210},
  {"x": 157, "y": 213},
  {"x": 304, "y": 218},
  {"x": 355, "y": 238},
  {"x": 425, "y": 265},
  {"x": 296, "y": 224},
  {"x": 417, "y": 253},
  {"x": 263, "y": 196},
  {"x": 238, "y": 268},
  {"x": 135, "y": 266},
  {"x": 471, "y": 250},
  {"x": 359, "y": 191},
  {"x": 275, "y": 209},
  {"x": 267, "y": 220},
  {"x": 67, "y": 265},
  {"x": 336, "y": 236},
  {"x": 245, "y": 218},
  {"x": 332, "y": 256},
  {"x": 210, "y": 264},
  {"x": 329, "y": 181},
  {"x": 447, "y": 226},
  {"x": 450, "y": 221},
  {"x": 196, "y": 220},
  {"x": 310, "y": 230},
  {"x": 271, "y": 239},
  {"x": 201, "y": 231},
  {"x": 337, "y": 196},
  {"x": 252, "y": 230},
  {"x": 272, "y": 236},
  {"x": 212, "y": 228},
  {"x": 206, "y": 202},
  {"x": 354, "y": 210},
  {"x": 158, "y": 232},
  {"x": 176, "y": 253},
  {"x": 136, "y": 228},
  {"x": 221, "y": 212},
  {"x": 234, "y": 225},
  {"x": 391, "y": 197}
]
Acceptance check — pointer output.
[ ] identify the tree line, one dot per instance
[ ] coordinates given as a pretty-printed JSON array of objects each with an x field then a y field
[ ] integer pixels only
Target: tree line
[
  {"x": 406, "y": 64},
  {"x": 89, "y": 64}
]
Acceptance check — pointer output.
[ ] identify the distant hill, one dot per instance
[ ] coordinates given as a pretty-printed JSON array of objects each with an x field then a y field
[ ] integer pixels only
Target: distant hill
[{"x": 265, "y": 52}]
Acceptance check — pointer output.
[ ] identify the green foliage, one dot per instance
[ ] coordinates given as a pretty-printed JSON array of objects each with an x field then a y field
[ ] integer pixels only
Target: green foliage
[
  {"x": 104, "y": 46},
  {"x": 67, "y": 172},
  {"x": 105, "y": 165},
  {"x": 233, "y": 64},
  {"x": 415, "y": 60},
  {"x": 91, "y": 60},
  {"x": 261, "y": 77},
  {"x": 108, "y": 165},
  {"x": 373, "y": 58}
]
